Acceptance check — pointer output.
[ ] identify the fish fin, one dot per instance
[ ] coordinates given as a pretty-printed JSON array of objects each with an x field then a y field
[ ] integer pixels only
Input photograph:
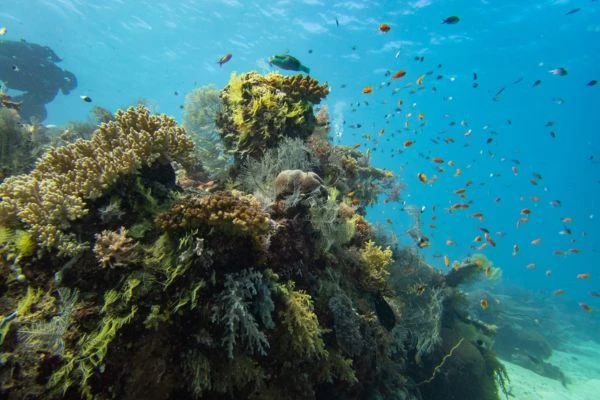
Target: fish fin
[{"x": 305, "y": 69}]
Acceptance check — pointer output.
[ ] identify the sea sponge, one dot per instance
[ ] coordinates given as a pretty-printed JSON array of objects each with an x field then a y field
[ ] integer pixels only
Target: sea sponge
[
  {"x": 258, "y": 111},
  {"x": 54, "y": 194},
  {"x": 229, "y": 212},
  {"x": 290, "y": 181}
]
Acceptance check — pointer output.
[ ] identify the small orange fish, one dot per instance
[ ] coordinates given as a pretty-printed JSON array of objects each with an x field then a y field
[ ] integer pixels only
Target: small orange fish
[
  {"x": 385, "y": 28},
  {"x": 558, "y": 253},
  {"x": 583, "y": 276},
  {"x": 586, "y": 307},
  {"x": 489, "y": 239},
  {"x": 566, "y": 220},
  {"x": 460, "y": 191},
  {"x": 484, "y": 304},
  {"x": 451, "y": 163},
  {"x": 535, "y": 198},
  {"x": 531, "y": 266},
  {"x": 450, "y": 242},
  {"x": 482, "y": 246},
  {"x": 526, "y": 211},
  {"x": 446, "y": 261},
  {"x": 381, "y": 132},
  {"x": 408, "y": 143},
  {"x": 421, "y": 116},
  {"x": 399, "y": 74},
  {"x": 422, "y": 177},
  {"x": 477, "y": 238},
  {"x": 438, "y": 160},
  {"x": 458, "y": 172},
  {"x": 224, "y": 59},
  {"x": 356, "y": 146},
  {"x": 420, "y": 79},
  {"x": 574, "y": 251},
  {"x": 558, "y": 292},
  {"x": 535, "y": 242},
  {"x": 367, "y": 89},
  {"x": 477, "y": 215}
]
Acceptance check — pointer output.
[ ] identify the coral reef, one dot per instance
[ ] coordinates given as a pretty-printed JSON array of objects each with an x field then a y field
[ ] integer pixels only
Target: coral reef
[
  {"x": 268, "y": 283},
  {"x": 259, "y": 111}
]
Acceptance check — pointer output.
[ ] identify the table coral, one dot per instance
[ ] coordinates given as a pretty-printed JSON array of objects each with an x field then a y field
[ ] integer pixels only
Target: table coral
[
  {"x": 258, "y": 111},
  {"x": 54, "y": 194}
]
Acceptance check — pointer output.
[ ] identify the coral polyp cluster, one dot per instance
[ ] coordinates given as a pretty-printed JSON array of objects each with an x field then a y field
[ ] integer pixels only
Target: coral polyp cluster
[{"x": 231, "y": 213}]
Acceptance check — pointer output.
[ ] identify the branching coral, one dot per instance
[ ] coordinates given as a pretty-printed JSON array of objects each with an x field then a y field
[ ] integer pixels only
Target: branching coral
[
  {"x": 53, "y": 195},
  {"x": 258, "y": 111},
  {"x": 234, "y": 310},
  {"x": 227, "y": 211},
  {"x": 115, "y": 249}
]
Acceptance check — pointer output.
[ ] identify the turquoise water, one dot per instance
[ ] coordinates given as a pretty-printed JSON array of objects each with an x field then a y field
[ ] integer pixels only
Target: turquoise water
[{"x": 122, "y": 51}]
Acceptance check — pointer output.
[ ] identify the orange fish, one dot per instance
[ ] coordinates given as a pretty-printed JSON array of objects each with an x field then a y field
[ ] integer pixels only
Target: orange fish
[
  {"x": 484, "y": 304},
  {"x": 535, "y": 198},
  {"x": 586, "y": 307},
  {"x": 526, "y": 211},
  {"x": 583, "y": 276},
  {"x": 574, "y": 251},
  {"x": 438, "y": 160},
  {"x": 460, "y": 191},
  {"x": 458, "y": 172},
  {"x": 477, "y": 215},
  {"x": 367, "y": 89},
  {"x": 451, "y": 163},
  {"x": 421, "y": 116},
  {"x": 558, "y": 292},
  {"x": 446, "y": 261},
  {"x": 566, "y": 220},
  {"x": 422, "y": 177},
  {"x": 420, "y": 79},
  {"x": 385, "y": 28},
  {"x": 224, "y": 59},
  {"x": 531, "y": 266},
  {"x": 399, "y": 74},
  {"x": 408, "y": 143},
  {"x": 450, "y": 242},
  {"x": 537, "y": 241},
  {"x": 489, "y": 239},
  {"x": 477, "y": 238}
]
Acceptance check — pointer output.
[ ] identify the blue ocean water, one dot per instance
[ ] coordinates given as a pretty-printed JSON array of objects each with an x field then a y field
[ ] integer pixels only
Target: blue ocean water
[{"x": 126, "y": 50}]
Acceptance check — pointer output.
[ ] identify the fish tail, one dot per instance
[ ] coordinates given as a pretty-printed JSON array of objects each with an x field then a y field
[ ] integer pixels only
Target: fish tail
[{"x": 305, "y": 69}]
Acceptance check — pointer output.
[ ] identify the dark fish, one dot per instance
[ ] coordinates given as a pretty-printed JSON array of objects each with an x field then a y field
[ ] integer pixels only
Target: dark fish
[
  {"x": 337, "y": 23},
  {"x": 560, "y": 71},
  {"x": 474, "y": 76},
  {"x": 573, "y": 11},
  {"x": 537, "y": 83},
  {"x": 224, "y": 59},
  {"x": 451, "y": 20},
  {"x": 87, "y": 99},
  {"x": 285, "y": 61},
  {"x": 593, "y": 82}
]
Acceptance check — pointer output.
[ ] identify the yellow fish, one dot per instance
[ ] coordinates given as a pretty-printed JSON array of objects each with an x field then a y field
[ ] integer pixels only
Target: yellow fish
[
  {"x": 420, "y": 79},
  {"x": 3, "y": 31}
]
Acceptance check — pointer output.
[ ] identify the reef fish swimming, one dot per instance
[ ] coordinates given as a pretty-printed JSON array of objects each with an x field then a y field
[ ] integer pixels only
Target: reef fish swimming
[
  {"x": 285, "y": 61},
  {"x": 224, "y": 59}
]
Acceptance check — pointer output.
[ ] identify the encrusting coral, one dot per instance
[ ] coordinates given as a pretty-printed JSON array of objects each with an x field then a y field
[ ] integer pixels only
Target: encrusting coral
[
  {"x": 54, "y": 194},
  {"x": 258, "y": 111}
]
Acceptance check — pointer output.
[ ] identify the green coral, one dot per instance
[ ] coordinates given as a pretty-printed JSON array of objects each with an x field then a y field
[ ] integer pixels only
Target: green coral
[
  {"x": 54, "y": 194},
  {"x": 258, "y": 111}
]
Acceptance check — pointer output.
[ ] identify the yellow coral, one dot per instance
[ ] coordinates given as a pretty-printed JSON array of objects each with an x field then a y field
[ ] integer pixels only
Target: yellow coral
[
  {"x": 54, "y": 193},
  {"x": 304, "y": 333},
  {"x": 375, "y": 261}
]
